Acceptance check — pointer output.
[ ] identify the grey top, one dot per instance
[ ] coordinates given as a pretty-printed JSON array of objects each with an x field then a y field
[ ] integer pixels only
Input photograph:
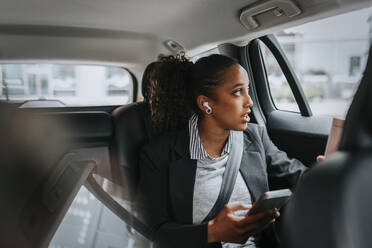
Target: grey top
[{"x": 208, "y": 180}]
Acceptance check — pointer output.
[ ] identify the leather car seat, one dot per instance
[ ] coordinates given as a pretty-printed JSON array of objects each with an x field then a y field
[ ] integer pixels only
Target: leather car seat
[
  {"x": 132, "y": 129},
  {"x": 332, "y": 204}
]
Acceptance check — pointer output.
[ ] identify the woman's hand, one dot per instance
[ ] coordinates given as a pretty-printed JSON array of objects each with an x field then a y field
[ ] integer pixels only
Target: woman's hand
[{"x": 230, "y": 228}]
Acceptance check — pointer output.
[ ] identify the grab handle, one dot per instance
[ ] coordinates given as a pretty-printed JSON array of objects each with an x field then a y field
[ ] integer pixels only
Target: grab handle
[{"x": 280, "y": 7}]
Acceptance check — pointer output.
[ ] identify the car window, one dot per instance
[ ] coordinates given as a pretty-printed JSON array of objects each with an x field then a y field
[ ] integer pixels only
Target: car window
[
  {"x": 328, "y": 57},
  {"x": 281, "y": 93},
  {"x": 65, "y": 85}
]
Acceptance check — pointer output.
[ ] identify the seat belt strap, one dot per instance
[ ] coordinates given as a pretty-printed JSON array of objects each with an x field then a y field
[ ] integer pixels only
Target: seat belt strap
[
  {"x": 117, "y": 209},
  {"x": 230, "y": 174}
]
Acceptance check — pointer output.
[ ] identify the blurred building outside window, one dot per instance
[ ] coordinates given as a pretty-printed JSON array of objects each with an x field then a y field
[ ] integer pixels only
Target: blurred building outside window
[
  {"x": 281, "y": 93},
  {"x": 328, "y": 57},
  {"x": 74, "y": 85}
]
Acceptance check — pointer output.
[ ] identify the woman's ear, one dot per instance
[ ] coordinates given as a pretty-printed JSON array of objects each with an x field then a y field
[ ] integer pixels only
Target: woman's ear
[{"x": 201, "y": 100}]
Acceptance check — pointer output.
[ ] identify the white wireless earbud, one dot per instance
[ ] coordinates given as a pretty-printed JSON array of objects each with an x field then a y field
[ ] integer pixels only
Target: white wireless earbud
[{"x": 209, "y": 109}]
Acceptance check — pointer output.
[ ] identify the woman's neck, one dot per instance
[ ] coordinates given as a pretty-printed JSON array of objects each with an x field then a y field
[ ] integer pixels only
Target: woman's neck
[{"x": 212, "y": 137}]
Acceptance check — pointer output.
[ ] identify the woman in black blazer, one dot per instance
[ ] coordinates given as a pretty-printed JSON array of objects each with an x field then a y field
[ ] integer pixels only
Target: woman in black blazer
[{"x": 215, "y": 88}]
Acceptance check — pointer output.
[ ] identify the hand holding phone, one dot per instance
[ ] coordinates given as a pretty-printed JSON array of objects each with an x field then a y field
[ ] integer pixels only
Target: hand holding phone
[{"x": 270, "y": 200}]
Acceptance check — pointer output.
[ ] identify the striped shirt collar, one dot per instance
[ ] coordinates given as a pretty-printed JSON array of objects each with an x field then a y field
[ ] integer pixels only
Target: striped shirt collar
[{"x": 197, "y": 150}]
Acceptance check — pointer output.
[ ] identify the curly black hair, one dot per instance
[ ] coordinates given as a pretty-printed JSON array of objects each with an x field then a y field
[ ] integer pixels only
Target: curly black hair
[
  {"x": 147, "y": 77},
  {"x": 168, "y": 94},
  {"x": 175, "y": 85}
]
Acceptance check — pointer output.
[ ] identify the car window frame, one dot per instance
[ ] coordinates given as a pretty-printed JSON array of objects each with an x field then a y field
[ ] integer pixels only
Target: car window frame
[{"x": 260, "y": 74}]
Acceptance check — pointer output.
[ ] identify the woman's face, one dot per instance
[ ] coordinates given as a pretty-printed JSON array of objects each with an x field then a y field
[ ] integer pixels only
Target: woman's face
[{"x": 231, "y": 103}]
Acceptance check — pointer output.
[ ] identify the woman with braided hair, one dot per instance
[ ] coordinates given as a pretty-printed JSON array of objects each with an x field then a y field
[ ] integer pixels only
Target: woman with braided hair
[{"x": 201, "y": 109}]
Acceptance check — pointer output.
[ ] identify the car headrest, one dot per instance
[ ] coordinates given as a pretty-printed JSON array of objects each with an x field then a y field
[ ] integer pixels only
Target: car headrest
[
  {"x": 132, "y": 129},
  {"x": 358, "y": 123}
]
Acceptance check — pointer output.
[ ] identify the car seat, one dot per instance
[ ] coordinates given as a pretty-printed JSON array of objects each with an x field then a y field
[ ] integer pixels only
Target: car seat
[
  {"x": 132, "y": 129},
  {"x": 331, "y": 206}
]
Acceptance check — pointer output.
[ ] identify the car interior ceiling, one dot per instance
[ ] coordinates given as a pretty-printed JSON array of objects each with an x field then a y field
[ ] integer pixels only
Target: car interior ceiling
[{"x": 139, "y": 38}]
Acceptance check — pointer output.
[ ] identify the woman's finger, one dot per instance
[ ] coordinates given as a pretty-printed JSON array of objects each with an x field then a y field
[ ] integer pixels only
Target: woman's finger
[
  {"x": 237, "y": 206},
  {"x": 320, "y": 158}
]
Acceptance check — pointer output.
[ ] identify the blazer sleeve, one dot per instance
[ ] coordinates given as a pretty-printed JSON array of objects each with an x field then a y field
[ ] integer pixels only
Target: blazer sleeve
[
  {"x": 282, "y": 171},
  {"x": 156, "y": 209}
]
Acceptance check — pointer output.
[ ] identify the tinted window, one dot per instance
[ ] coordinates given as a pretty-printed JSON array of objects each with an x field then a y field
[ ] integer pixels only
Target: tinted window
[
  {"x": 329, "y": 57},
  {"x": 72, "y": 85},
  {"x": 281, "y": 93}
]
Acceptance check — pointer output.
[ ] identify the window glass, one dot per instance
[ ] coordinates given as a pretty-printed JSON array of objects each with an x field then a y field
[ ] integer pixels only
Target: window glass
[
  {"x": 71, "y": 85},
  {"x": 329, "y": 57},
  {"x": 89, "y": 224},
  {"x": 281, "y": 93}
]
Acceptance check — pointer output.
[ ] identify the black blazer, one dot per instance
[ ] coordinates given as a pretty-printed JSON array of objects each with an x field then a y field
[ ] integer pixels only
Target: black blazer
[{"x": 167, "y": 178}]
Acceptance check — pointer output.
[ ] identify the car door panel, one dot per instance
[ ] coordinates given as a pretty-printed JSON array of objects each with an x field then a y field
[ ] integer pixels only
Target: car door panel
[{"x": 301, "y": 137}]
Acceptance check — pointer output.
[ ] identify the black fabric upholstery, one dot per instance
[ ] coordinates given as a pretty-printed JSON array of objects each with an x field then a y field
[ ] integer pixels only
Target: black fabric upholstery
[
  {"x": 132, "y": 129},
  {"x": 331, "y": 206},
  {"x": 84, "y": 126}
]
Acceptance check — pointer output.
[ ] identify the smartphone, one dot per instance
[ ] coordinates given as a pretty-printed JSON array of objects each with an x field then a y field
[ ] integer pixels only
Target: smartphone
[{"x": 270, "y": 200}]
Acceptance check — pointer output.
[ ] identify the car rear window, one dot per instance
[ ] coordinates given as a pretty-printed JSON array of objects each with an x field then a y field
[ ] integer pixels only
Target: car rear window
[{"x": 43, "y": 85}]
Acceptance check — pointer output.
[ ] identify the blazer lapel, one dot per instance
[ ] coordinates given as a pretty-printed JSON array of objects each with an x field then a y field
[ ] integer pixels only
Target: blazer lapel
[
  {"x": 182, "y": 179},
  {"x": 253, "y": 171}
]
